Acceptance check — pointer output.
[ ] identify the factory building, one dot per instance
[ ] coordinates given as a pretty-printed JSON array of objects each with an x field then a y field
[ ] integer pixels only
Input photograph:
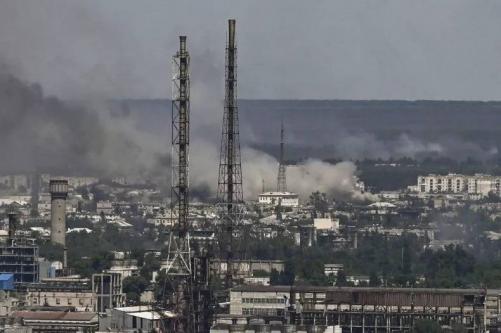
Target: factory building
[
  {"x": 54, "y": 321},
  {"x": 138, "y": 319},
  {"x": 356, "y": 310},
  {"x": 66, "y": 292},
  {"x": 58, "y": 194},
  {"x": 478, "y": 184},
  {"x": 108, "y": 289},
  {"x": 285, "y": 199}
]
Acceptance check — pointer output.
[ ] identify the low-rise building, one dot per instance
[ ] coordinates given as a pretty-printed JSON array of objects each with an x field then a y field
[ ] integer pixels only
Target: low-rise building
[
  {"x": 141, "y": 318},
  {"x": 327, "y": 224},
  {"x": 108, "y": 290},
  {"x": 104, "y": 207},
  {"x": 284, "y": 199},
  {"x": 357, "y": 309},
  {"x": 246, "y": 268},
  {"x": 332, "y": 269},
  {"x": 71, "y": 292},
  {"x": 57, "y": 321}
]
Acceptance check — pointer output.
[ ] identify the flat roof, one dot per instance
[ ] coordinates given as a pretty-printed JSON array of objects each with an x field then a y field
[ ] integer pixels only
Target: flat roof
[
  {"x": 55, "y": 315},
  {"x": 278, "y": 194},
  {"x": 258, "y": 288},
  {"x": 152, "y": 315}
]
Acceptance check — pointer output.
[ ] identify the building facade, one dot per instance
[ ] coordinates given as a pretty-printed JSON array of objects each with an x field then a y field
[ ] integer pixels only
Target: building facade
[
  {"x": 478, "y": 184},
  {"x": 285, "y": 199},
  {"x": 60, "y": 292},
  {"x": 20, "y": 257},
  {"x": 360, "y": 310}
]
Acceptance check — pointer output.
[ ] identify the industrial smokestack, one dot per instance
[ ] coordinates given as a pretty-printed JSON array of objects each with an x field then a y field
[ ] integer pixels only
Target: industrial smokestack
[
  {"x": 35, "y": 189},
  {"x": 65, "y": 259},
  {"x": 58, "y": 194},
  {"x": 12, "y": 225},
  {"x": 231, "y": 33}
]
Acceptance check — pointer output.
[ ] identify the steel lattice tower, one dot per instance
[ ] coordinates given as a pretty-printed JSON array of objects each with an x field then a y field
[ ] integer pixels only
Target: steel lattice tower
[
  {"x": 281, "y": 178},
  {"x": 230, "y": 192},
  {"x": 179, "y": 256}
]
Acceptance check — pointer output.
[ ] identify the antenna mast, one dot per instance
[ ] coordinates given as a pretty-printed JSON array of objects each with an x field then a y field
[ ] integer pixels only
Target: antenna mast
[
  {"x": 179, "y": 269},
  {"x": 230, "y": 193},
  {"x": 281, "y": 178}
]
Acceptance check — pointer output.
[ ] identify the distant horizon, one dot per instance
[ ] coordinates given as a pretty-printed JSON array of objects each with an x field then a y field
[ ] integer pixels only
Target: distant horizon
[{"x": 326, "y": 100}]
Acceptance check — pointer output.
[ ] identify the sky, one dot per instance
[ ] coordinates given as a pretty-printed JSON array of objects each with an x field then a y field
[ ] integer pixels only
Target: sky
[{"x": 287, "y": 49}]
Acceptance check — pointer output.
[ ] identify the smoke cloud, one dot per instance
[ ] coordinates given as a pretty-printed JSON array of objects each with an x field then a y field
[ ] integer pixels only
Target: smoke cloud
[
  {"x": 95, "y": 51},
  {"x": 43, "y": 133},
  {"x": 365, "y": 145}
]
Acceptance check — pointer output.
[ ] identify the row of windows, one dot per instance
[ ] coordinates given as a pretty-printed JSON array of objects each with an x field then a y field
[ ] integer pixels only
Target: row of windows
[
  {"x": 264, "y": 300},
  {"x": 458, "y": 182},
  {"x": 58, "y": 301},
  {"x": 257, "y": 311}
]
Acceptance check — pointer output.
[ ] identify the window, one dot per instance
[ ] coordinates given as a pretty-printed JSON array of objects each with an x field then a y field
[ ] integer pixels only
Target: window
[{"x": 58, "y": 301}]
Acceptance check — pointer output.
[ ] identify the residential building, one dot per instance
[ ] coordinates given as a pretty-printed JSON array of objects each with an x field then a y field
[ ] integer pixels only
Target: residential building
[
  {"x": 478, "y": 184},
  {"x": 284, "y": 199}
]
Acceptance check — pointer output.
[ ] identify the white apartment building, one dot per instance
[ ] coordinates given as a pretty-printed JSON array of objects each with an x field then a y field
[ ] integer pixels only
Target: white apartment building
[
  {"x": 478, "y": 184},
  {"x": 285, "y": 199}
]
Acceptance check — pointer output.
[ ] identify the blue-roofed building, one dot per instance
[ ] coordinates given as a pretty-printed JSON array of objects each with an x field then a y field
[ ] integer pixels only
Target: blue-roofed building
[{"x": 7, "y": 281}]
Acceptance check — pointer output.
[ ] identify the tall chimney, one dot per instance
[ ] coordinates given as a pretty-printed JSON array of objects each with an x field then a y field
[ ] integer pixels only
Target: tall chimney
[
  {"x": 65, "y": 259},
  {"x": 35, "y": 189},
  {"x": 58, "y": 195},
  {"x": 12, "y": 225}
]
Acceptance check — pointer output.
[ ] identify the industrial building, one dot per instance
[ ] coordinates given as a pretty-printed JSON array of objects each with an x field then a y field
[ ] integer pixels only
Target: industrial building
[
  {"x": 137, "y": 318},
  {"x": 65, "y": 292},
  {"x": 20, "y": 257},
  {"x": 358, "y": 309},
  {"x": 55, "y": 321},
  {"x": 108, "y": 289}
]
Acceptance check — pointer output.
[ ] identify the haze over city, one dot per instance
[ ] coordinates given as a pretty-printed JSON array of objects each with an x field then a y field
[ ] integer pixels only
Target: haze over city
[{"x": 250, "y": 166}]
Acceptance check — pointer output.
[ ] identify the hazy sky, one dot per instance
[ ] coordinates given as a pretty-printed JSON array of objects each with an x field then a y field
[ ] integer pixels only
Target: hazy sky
[{"x": 374, "y": 49}]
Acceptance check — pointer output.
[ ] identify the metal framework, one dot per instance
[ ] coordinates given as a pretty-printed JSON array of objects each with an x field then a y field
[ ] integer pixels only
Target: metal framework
[
  {"x": 281, "y": 178},
  {"x": 230, "y": 192},
  {"x": 179, "y": 269}
]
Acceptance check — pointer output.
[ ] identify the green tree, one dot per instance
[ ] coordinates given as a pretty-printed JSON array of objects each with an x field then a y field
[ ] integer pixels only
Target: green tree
[
  {"x": 374, "y": 280},
  {"x": 319, "y": 202},
  {"x": 133, "y": 286},
  {"x": 341, "y": 280}
]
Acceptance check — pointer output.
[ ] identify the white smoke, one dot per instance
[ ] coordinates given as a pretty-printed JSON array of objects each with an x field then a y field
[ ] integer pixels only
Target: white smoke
[{"x": 337, "y": 180}]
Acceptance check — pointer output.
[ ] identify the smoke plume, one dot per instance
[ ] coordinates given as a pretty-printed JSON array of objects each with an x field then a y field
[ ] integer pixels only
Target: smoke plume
[{"x": 44, "y": 133}]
